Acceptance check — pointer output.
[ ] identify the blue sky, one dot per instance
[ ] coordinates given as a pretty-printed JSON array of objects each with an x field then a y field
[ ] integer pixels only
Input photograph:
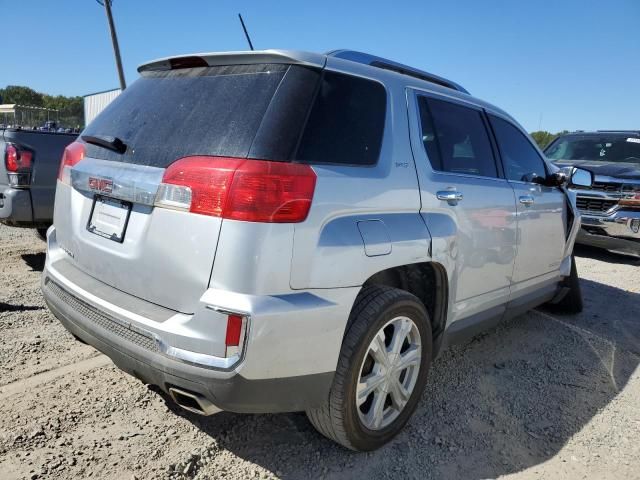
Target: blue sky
[{"x": 564, "y": 64}]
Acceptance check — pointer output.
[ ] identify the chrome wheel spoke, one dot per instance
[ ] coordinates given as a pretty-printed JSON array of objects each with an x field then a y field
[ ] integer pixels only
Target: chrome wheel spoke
[
  {"x": 409, "y": 358},
  {"x": 378, "y": 349},
  {"x": 368, "y": 384},
  {"x": 401, "y": 330},
  {"x": 376, "y": 412},
  {"x": 399, "y": 394}
]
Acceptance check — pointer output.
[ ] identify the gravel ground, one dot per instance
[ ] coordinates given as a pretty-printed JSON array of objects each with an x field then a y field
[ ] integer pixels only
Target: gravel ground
[{"x": 541, "y": 396}]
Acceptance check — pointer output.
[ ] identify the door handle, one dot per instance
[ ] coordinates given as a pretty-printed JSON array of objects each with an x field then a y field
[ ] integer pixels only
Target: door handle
[
  {"x": 450, "y": 196},
  {"x": 527, "y": 200}
]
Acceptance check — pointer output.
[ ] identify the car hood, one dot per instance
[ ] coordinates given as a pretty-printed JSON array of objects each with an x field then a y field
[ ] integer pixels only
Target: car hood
[{"x": 609, "y": 169}]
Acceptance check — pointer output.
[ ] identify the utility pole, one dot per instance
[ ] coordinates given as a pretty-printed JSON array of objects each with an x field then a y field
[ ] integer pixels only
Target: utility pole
[{"x": 114, "y": 41}]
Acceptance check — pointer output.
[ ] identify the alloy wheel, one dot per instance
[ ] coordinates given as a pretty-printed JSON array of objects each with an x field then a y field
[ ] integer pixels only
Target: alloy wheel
[{"x": 388, "y": 373}]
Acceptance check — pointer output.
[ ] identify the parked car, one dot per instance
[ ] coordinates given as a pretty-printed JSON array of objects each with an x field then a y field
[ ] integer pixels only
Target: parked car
[
  {"x": 28, "y": 173},
  {"x": 611, "y": 206},
  {"x": 280, "y": 231}
]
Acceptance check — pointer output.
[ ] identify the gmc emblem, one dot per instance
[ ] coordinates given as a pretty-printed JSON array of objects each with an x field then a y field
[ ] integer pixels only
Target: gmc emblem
[{"x": 102, "y": 185}]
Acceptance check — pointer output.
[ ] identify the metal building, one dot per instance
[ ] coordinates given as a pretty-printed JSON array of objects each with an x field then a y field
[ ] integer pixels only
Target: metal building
[
  {"x": 25, "y": 115},
  {"x": 94, "y": 103}
]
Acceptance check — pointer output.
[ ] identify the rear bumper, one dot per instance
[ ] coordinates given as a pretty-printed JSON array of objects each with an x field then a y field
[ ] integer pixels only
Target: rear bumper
[
  {"x": 619, "y": 231},
  {"x": 287, "y": 363},
  {"x": 15, "y": 207},
  {"x": 232, "y": 392}
]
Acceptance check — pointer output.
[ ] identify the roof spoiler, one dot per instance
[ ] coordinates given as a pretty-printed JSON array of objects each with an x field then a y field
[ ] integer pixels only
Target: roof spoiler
[
  {"x": 374, "y": 61},
  {"x": 212, "y": 59}
]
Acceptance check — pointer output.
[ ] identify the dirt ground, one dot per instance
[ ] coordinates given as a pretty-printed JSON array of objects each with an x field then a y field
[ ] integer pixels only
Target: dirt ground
[{"x": 541, "y": 396}]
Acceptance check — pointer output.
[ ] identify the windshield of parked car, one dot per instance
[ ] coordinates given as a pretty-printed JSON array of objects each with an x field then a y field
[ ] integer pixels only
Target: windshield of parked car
[{"x": 600, "y": 148}]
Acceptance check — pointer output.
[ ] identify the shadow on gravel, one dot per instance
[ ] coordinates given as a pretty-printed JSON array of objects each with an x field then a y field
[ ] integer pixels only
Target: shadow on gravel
[
  {"x": 506, "y": 401},
  {"x": 35, "y": 261},
  {"x": 605, "y": 255},
  {"x": 6, "y": 307}
]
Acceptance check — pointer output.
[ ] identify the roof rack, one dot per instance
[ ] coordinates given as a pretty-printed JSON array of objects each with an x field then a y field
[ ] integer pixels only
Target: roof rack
[
  {"x": 386, "y": 64},
  {"x": 637, "y": 132}
]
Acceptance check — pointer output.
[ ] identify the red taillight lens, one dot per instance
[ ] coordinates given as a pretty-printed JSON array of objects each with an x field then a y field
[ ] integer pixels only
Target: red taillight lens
[
  {"x": 271, "y": 192},
  {"x": 234, "y": 330},
  {"x": 71, "y": 156},
  {"x": 202, "y": 184},
  {"x": 11, "y": 158},
  {"x": 16, "y": 159},
  {"x": 239, "y": 189}
]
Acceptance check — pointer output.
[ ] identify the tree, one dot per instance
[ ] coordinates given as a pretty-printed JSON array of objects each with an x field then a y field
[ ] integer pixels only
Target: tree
[
  {"x": 21, "y": 95},
  {"x": 70, "y": 109},
  {"x": 542, "y": 138}
]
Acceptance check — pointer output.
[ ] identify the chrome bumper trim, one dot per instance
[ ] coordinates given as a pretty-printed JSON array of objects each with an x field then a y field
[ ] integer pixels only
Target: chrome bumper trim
[
  {"x": 139, "y": 336},
  {"x": 621, "y": 224}
]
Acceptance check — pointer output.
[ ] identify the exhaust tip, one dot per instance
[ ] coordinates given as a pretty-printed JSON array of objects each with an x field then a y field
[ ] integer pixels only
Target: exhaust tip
[{"x": 193, "y": 402}]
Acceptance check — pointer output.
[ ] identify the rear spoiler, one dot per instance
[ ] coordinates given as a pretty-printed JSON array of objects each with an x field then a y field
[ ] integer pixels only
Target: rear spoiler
[
  {"x": 235, "y": 58},
  {"x": 212, "y": 59}
]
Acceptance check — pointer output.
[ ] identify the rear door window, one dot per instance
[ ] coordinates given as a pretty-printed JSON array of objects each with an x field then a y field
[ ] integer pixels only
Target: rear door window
[
  {"x": 520, "y": 159},
  {"x": 455, "y": 138},
  {"x": 346, "y": 122}
]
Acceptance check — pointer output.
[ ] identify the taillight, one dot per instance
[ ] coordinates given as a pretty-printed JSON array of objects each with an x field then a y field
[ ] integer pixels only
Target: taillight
[
  {"x": 234, "y": 328},
  {"x": 71, "y": 156},
  {"x": 18, "y": 162},
  {"x": 239, "y": 189},
  {"x": 236, "y": 331}
]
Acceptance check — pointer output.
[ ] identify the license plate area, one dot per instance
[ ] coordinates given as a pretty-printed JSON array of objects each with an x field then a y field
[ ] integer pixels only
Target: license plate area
[{"x": 109, "y": 218}]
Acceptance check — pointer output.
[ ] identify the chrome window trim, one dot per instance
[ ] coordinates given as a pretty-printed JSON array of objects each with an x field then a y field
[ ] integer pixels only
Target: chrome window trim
[{"x": 466, "y": 175}]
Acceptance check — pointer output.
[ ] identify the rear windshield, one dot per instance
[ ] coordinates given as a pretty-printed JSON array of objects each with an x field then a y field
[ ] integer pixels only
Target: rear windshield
[
  {"x": 166, "y": 115},
  {"x": 600, "y": 148},
  {"x": 266, "y": 111}
]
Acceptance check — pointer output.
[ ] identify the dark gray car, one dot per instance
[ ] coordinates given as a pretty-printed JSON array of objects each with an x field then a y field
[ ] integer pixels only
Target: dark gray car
[{"x": 28, "y": 175}]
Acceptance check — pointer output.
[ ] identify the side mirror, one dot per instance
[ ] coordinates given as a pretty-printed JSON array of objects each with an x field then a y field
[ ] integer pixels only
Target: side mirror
[{"x": 580, "y": 178}]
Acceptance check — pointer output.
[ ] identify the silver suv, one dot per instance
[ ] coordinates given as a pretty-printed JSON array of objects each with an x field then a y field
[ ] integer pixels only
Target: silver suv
[{"x": 282, "y": 231}]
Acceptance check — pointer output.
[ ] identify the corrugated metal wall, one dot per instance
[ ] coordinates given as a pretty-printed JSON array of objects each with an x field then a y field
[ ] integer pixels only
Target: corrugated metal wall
[{"x": 96, "y": 102}]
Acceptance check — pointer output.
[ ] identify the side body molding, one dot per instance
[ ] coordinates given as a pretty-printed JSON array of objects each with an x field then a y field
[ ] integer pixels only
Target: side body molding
[{"x": 341, "y": 249}]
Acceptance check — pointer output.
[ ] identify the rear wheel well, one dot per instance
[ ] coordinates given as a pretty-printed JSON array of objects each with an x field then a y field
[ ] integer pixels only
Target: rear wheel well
[{"x": 427, "y": 281}]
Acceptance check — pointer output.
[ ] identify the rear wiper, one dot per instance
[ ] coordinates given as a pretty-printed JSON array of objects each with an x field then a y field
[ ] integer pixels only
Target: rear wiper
[{"x": 106, "y": 141}]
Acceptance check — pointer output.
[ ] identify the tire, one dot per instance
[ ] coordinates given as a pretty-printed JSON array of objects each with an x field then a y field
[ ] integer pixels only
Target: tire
[
  {"x": 572, "y": 302},
  {"x": 339, "y": 418},
  {"x": 42, "y": 233}
]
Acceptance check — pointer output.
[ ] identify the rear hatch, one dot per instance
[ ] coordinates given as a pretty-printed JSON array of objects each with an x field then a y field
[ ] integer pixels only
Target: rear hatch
[{"x": 106, "y": 215}]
